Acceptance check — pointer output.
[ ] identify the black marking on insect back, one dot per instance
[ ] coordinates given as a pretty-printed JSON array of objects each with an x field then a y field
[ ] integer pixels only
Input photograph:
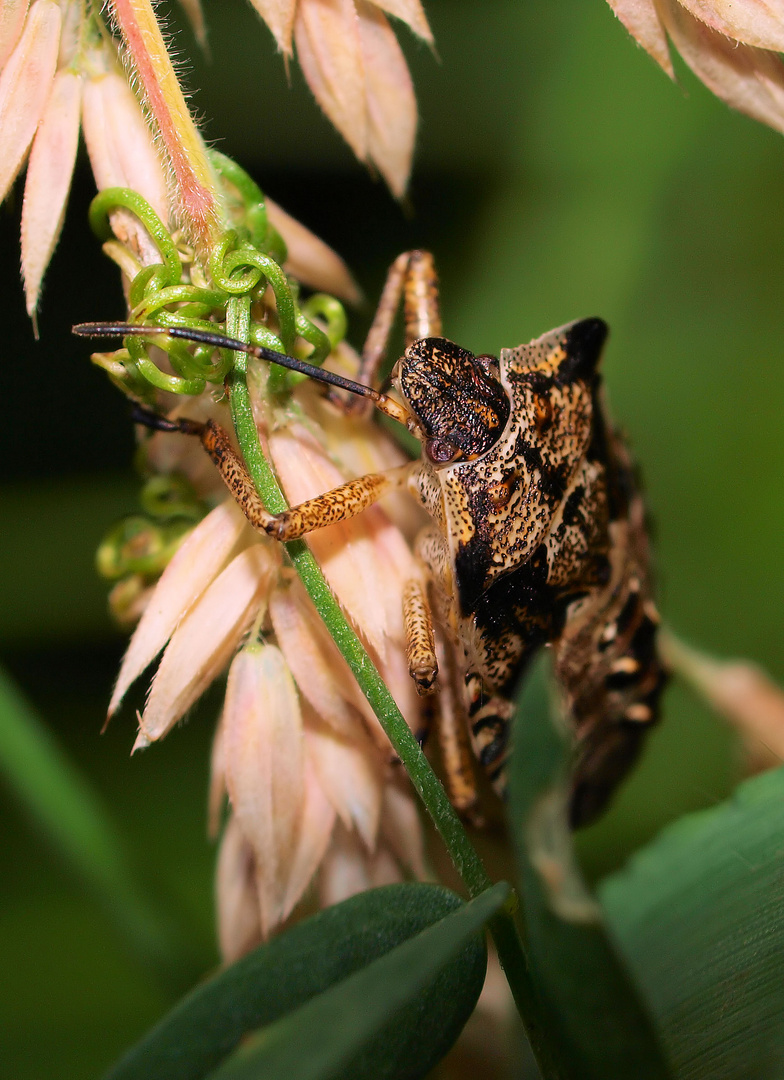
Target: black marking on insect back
[
  {"x": 551, "y": 478},
  {"x": 583, "y": 346},
  {"x": 472, "y": 563},
  {"x": 598, "y": 448},
  {"x": 518, "y": 614},
  {"x": 572, "y": 513}
]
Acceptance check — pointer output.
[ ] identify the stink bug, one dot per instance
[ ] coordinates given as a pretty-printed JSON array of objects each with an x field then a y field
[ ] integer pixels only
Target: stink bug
[{"x": 537, "y": 536}]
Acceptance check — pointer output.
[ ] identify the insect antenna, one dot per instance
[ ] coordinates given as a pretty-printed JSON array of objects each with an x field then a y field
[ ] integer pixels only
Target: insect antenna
[{"x": 381, "y": 401}]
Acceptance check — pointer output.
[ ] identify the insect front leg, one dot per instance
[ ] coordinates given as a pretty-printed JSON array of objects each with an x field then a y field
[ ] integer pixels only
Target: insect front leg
[
  {"x": 420, "y": 636},
  {"x": 339, "y": 504}
]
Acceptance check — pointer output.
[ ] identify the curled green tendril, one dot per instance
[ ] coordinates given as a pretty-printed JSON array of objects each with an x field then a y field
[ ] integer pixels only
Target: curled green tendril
[
  {"x": 281, "y": 381},
  {"x": 174, "y": 384},
  {"x": 123, "y": 198},
  {"x": 238, "y": 268},
  {"x": 262, "y": 233},
  {"x": 170, "y": 497},
  {"x": 125, "y": 375},
  {"x": 320, "y": 305},
  {"x": 314, "y": 336},
  {"x": 245, "y": 270},
  {"x": 206, "y": 300},
  {"x": 228, "y": 279},
  {"x": 137, "y": 545}
]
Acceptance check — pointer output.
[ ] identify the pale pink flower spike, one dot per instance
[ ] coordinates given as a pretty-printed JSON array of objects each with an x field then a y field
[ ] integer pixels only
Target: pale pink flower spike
[
  {"x": 732, "y": 46},
  {"x": 352, "y": 62}
]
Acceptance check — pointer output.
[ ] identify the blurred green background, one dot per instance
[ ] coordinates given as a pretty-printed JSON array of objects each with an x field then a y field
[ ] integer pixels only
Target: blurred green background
[{"x": 559, "y": 174}]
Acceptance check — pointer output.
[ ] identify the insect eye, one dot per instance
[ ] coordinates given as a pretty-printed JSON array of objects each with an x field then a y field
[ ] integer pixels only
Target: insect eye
[
  {"x": 440, "y": 451},
  {"x": 487, "y": 363}
]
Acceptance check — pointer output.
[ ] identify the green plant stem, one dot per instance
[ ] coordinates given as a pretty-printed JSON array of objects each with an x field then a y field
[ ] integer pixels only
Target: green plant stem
[{"x": 503, "y": 927}]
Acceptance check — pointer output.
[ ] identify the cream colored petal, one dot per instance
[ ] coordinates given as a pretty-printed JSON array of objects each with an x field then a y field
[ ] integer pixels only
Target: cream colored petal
[
  {"x": 48, "y": 181},
  {"x": 754, "y": 22},
  {"x": 193, "y": 10},
  {"x": 217, "y": 791},
  {"x": 279, "y": 17},
  {"x": 12, "y": 17},
  {"x": 391, "y": 103},
  {"x": 401, "y": 826},
  {"x": 394, "y": 566},
  {"x": 393, "y": 669},
  {"x": 25, "y": 85},
  {"x": 310, "y": 260},
  {"x": 359, "y": 447},
  {"x": 315, "y": 830},
  {"x": 239, "y": 929},
  {"x": 344, "y": 551},
  {"x": 411, "y": 12},
  {"x": 366, "y": 448},
  {"x": 196, "y": 563},
  {"x": 750, "y": 80},
  {"x": 264, "y": 757},
  {"x": 328, "y": 49},
  {"x": 119, "y": 143},
  {"x": 383, "y": 868},
  {"x": 345, "y": 870},
  {"x": 204, "y": 641},
  {"x": 321, "y": 673},
  {"x": 642, "y": 21},
  {"x": 349, "y": 773},
  {"x": 739, "y": 690}
]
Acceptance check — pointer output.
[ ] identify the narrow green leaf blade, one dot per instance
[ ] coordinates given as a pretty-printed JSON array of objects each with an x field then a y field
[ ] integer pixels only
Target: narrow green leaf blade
[
  {"x": 698, "y": 914},
  {"x": 277, "y": 979},
  {"x": 599, "y": 1026},
  {"x": 328, "y": 1037},
  {"x": 71, "y": 816}
]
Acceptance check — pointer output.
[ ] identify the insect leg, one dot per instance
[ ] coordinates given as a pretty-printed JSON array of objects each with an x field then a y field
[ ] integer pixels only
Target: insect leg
[
  {"x": 341, "y": 503},
  {"x": 413, "y": 277},
  {"x": 456, "y": 756},
  {"x": 420, "y": 636}
]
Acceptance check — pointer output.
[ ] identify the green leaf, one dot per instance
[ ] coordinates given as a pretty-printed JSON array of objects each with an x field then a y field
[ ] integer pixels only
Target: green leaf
[
  {"x": 72, "y": 818},
  {"x": 371, "y": 1025},
  {"x": 276, "y": 983},
  {"x": 597, "y": 1024},
  {"x": 698, "y": 914}
]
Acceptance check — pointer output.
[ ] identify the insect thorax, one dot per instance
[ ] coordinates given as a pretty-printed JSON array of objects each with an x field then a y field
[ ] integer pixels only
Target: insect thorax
[{"x": 524, "y": 523}]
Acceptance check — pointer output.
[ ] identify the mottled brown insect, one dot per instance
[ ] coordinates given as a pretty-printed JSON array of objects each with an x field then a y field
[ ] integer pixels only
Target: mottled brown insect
[{"x": 537, "y": 537}]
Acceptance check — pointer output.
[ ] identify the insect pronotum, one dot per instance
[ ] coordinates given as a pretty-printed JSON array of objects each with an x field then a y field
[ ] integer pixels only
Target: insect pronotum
[{"x": 537, "y": 536}]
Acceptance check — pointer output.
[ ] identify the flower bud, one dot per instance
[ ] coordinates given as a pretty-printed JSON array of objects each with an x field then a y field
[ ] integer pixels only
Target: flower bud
[
  {"x": 204, "y": 641},
  {"x": 264, "y": 763}
]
